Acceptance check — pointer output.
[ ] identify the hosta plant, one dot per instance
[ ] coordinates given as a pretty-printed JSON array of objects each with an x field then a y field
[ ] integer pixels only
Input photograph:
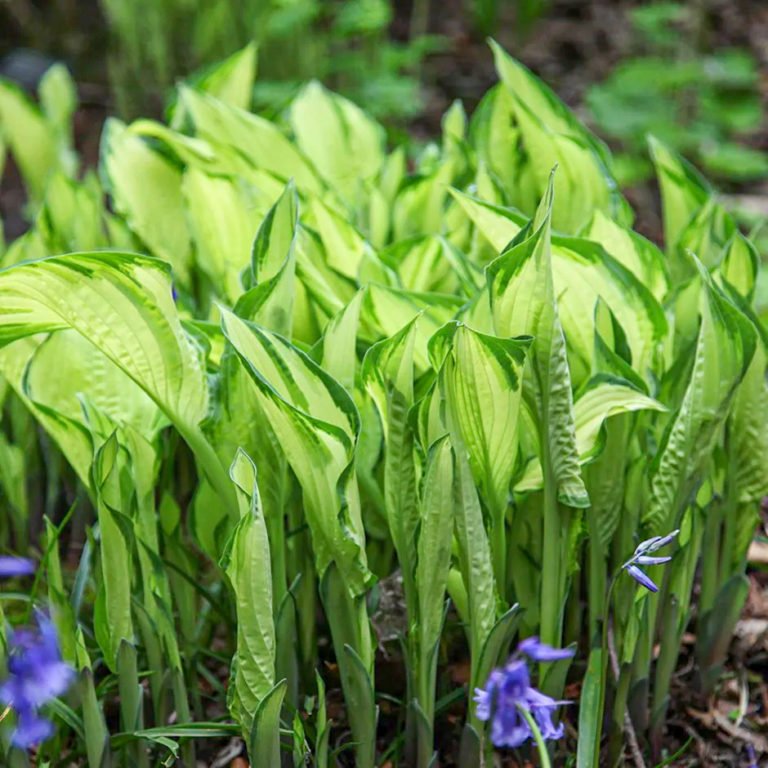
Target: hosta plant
[{"x": 286, "y": 376}]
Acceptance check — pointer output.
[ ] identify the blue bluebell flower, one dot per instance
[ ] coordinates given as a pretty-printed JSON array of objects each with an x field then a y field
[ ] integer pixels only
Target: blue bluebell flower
[
  {"x": 508, "y": 691},
  {"x": 15, "y": 566},
  {"x": 36, "y": 675},
  {"x": 534, "y": 649},
  {"x": 642, "y": 556}
]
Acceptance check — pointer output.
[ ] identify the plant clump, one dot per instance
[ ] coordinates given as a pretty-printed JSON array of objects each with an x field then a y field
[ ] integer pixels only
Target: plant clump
[{"x": 283, "y": 361}]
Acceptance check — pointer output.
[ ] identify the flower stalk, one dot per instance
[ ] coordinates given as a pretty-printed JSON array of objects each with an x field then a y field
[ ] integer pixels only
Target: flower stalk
[{"x": 642, "y": 556}]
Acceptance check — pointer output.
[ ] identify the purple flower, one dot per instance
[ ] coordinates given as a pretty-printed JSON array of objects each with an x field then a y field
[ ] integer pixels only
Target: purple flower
[
  {"x": 642, "y": 557},
  {"x": 15, "y": 566},
  {"x": 36, "y": 675},
  {"x": 538, "y": 651},
  {"x": 509, "y": 691}
]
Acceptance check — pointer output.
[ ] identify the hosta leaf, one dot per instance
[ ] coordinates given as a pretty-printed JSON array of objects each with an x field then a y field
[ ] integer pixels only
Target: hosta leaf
[
  {"x": 344, "y": 144},
  {"x": 85, "y": 376},
  {"x": 581, "y": 179},
  {"x": 146, "y": 189},
  {"x": 602, "y": 398},
  {"x": 497, "y": 224},
  {"x": 386, "y": 311},
  {"x": 347, "y": 251},
  {"x": 28, "y": 247},
  {"x": 388, "y": 375},
  {"x": 431, "y": 418},
  {"x": 388, "y": 366},
  {"x": 552, "y": 136},
  {"x": 83, "y": 370},
  {"x": 328, "y": 289},
  {"x": 590, "y": 726},
  {"x": 276, "y": 237},
  {"x": 208, "y": 522},
  {"x": 184, "y": 150},
  {"x": 740, "y": 266},
  {"x": 605, "y": 480},
  {"x": 223, "y": 223},
  {"x": 258, "y": 140},
  {"x": 316, "y": 424},
  {"x": 583, "y": 273},
  {"x": 495, "y": 137},
  {"x": 246, "y": 563},
  {"x": 489, "y": 187},
  {"x": 481, "y": 382},
  {"x": 13, "y": 484},
  {"x": 271, "y": 279},
  {"x": 130, "y": 495},
  {"x": 434, "y": 543},
  {"x": 482, "y": 378},
  {"x": 495, "y": 648},
  {"x": 122, "y": 304},
  {"x": 640, "y": 256},
  {"x": 474, "y": 555},
  {"x": 61, "y": 609},
  {"x": 340, "y": 344},
  {"x": 419, "y": 208},
  {"x": 349, "y": 625},
  {"x": 725, "y": 347},
  {"x": 69, "y": 434},
  {"x": 71, "y": 218},
  {"x": 231, "y": 80},
  {"x": 115, "y": 544},
  {"x": 368, "y": 455},
  {"x": 747, "y": 436},
  {"x": 683, "y": 190},
  {"x": 264, "y": 738},
  {"x": 523, "y": 302},
  {"x": 525, "y": 88},
  {"x": 432, "y": 264},
  {"x": 58, "y": 102},
  {"x": 29, "y": 136},
  {"x": 707, "y": 234}
]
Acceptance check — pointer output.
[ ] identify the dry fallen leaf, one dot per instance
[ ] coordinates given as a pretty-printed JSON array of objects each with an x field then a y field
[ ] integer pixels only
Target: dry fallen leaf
[
  {"x": 758, "y": 552},
  {"x": 714, "y": 719},
  {"x": 750, "y": 634}
]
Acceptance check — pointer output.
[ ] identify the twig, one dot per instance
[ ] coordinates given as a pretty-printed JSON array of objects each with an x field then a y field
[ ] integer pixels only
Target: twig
[
  {"x": 735, "y": 732},
  {"x": 634, "y": 746}
]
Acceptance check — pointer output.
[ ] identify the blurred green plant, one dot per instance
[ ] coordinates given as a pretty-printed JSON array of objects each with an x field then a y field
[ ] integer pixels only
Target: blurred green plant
[
  {"x": 703, "y": 103},
  {"x": 347, "y": 45}
]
